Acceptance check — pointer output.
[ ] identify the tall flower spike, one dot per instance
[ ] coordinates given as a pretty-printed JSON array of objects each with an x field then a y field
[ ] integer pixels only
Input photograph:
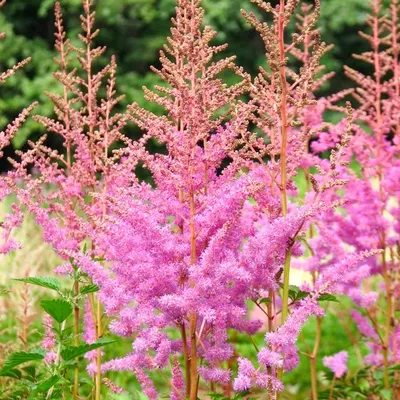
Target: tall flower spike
[
  {"x": 370, "y": 223},
  {"x": 192, "y": 216},
  {"x": 89, "y": 170},
  {"x": 337, "y": 363},
  {"x": 14, "y": 219},
  {"x": 89, "y": 127},
  {"x": 10, "y": 72},
  {"x": 289, "y": 116}
]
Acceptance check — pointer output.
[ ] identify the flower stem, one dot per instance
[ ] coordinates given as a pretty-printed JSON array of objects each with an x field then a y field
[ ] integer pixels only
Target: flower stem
[
  {"x": 283, "y": 158},
  {"x": 286, "y": 274},
  {"x": 283, "y": 155},
  {"x": 388, "y": 324},
  {"x": 57, "y": 360},
  {"x": 332, "y": 387},
  {"x": 186, "y": 357},
  {"x": 313, "y": 360},
  {"x": 378, "y": 105},
  {"x": 76, "y": 339},
  {"x": 194, "y": 381},
  {"x": 98, "y": 360}
]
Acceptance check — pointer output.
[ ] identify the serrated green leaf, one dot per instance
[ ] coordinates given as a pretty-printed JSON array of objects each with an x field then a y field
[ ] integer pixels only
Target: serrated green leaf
[
  {"x": 21, "y": 357},
  {"x": 30, "y": 370},
  {"x": 11, "y": 373},
  {"x": 69, "y": 353},
  {"x": 386, "y": 394},
  {"x": 124, "y": 396},
  {"x": 296, "y": 294},
  {"x": 4, "y": 291},
  {"x": 47, "y": 384},
  {"x": 216, "y": 396},
  {"x": 89, "y": 289},
  {"x": 59, "y": 309},
  {"x": 47, "y": 282},
  {"x": 241, "y": 395},
  {"x": 328, "y": 297},
  {"x": 364, "y": 385},
  {"x": 301, "y": 295}
]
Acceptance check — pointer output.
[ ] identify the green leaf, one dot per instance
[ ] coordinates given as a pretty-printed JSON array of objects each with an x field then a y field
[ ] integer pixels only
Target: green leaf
[
  {"x": 395, "y": 367},
  {"x": 124, "y": 396},
  {"x": 69, "y": 353},
  {"x": 11, "y": 373},
  {"x": 386, "y": 394},
  {"x": 84, "y": 250},
  {"x": 301, "y": 295},
  {"x": 4, "y": 291},
  {"x": 295, "y": 294},
  {"x": 264, "y": 300},
  {"x": 364, "y": 385},
  {"x": 30, "y": 371},
  {"x": 89, "y": 289},
  {"x": 216, "y": 396},
  {"x": 59, "y": 309},
  {"x": 47, "y": 384},
  {"x": 328, "y": 297},
  {"x": 21, "y": 357},
  {"x": 243, "y": 395},
  {"x": 49, "y": 283}
]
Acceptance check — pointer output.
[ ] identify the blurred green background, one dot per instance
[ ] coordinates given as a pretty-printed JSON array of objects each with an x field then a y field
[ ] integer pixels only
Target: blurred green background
[{"x": 135, "y": 30}]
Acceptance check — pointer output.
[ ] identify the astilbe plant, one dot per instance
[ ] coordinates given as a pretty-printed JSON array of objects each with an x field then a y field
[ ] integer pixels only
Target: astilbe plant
[
  {"x": 62, "y": 189},
  {"x": 177, "y": 261},
  {"x": 370, "y": 218},
  {"x": 174, "y": 249},
  {"x": 289, "y": 116},
  {"x": 190, "y": 251},
  {"x": 11, "y": 220}
]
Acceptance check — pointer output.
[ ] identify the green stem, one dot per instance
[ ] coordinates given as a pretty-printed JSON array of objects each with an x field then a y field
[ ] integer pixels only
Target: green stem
[
  {"x": 332, "y": 387},
  {"x": 286, "y": 276},
  {"x": 388, "y": 322},
  {"x": 98, "y": 361},
  {"x": 76, "y": 339},
  {"x": 57, "y": 361},
  {"x": 186, "y": 356},
  {"x": 283, "y": 158},
  {"x": 313, "y": 361}
]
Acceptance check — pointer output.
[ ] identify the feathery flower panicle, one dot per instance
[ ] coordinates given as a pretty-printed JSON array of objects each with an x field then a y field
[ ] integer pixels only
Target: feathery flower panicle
[
  {"x": 189, "y": 223},
  {"x": 10, "y": 72},
  {"x": 113, "y": 387},
  {"x": 178, "y": 382},
  {"x": 67, "y": 194},
  {"x": 369, "y": 216},
  {"x": 14, "y": 219},
  {"x": 281, "y": 350},
  {"x": 285, "y": 108},
  {"x": 194, "y": 221},
  {"x": 337, "y": 363},
  {"x": 364, "y": 326},
  {"x": 11, "y": 221},
  {"x": 49, "y": 339},
  {"x": 89, "y": 126}
]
